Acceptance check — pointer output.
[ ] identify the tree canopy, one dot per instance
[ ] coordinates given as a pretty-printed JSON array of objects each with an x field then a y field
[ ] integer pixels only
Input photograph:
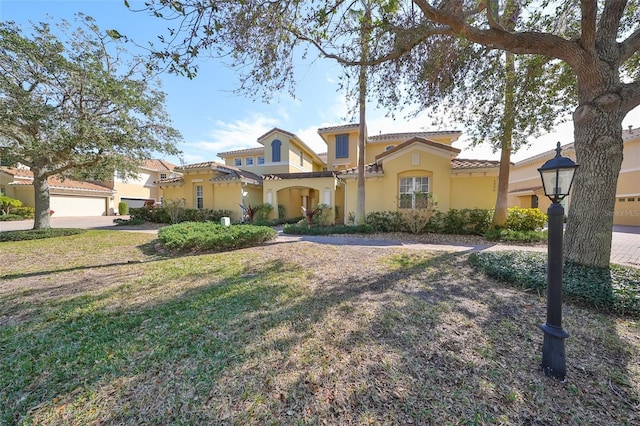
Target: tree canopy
[
  {"x": 74, "y": 104},
  {"x": 598, "y": 41}
]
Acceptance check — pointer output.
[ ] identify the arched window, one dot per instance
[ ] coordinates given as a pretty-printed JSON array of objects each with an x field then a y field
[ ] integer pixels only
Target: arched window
[{"x": 275, "y": 151}]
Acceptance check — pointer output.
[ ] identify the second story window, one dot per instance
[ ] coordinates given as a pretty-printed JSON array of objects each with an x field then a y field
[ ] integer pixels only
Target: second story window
[
  {"x": 163, "y": 176},
  {"x": 275, "y": 151},
  {"x": 301, "y": 159},
  {"x": 248, "y": 161},
  {"x": 342, "y": 146},
  {"x": 237, "y": 162},
  {"x": 260, "y": 160}
]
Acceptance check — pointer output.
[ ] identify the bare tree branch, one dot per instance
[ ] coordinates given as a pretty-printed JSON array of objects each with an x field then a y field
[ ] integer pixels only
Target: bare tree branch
[
  {"x": 589, "y": 9},
  {"x": 631, "y": 96},
  {"x": 610, "y": 19},
  {"x": 630, "y": 46}
]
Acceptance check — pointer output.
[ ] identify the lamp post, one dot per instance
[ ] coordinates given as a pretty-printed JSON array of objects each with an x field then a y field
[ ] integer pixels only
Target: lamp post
[{"x": 557, "y": 176}]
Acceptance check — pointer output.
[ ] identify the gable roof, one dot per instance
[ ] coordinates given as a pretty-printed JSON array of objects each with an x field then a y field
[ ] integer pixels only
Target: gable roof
[
  {"x": 274, "y": 130},
  {"x": 416, "y": 140}
]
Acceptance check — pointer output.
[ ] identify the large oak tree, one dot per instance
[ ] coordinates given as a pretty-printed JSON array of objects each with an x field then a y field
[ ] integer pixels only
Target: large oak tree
[
  {"x": 598, "y": 40},
  {"x": 74, "y": 104}
]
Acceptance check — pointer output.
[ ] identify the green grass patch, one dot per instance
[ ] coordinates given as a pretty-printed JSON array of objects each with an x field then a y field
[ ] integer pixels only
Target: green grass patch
[
  {"x": 210, "y": 236},
  {"x": 615, "y": 289},
  {"x": 36, "y": 234}
]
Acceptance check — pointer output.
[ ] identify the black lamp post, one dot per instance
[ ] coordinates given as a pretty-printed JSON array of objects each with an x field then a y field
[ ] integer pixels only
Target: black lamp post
[{"x": 557, "y": 177}]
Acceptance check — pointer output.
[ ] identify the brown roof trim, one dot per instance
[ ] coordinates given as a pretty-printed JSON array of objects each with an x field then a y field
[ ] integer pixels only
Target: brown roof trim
[
  {"x": 422, "y": 141},
  {"x": 395, "y": 136},
  {"x": 276, "y": 129},
  {"x": 350, "y": 126},
  {"x": 257, "y": 150},
  {"x": 301, "y": 175},
  {"x": 461, "y": 163}
]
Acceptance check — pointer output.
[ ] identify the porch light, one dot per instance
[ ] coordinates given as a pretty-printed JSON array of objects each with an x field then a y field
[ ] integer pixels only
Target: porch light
[{"x": 557, "y": 176}]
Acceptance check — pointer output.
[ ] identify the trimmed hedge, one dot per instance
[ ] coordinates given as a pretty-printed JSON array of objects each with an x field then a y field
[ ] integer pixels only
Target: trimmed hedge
[
  {"x": 517, "y": 236},
  {"x": 10, "y": 217},
  {"x": 615, "y": 289},
  {"x": 211, "y": 236},
  {"x": 304, "y": 229},
  {"x": 37, "y": 234},
  {"x": 520, "y": 219},
  {"x": 160, "y": 215}
]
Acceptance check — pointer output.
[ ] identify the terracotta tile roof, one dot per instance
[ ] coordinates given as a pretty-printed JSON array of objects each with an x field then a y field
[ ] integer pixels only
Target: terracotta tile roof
[
  {"x": 350, "y": 126},
  {"x": 158, "y": 165},
  {"x": 369, "y": 169},
  {"x": 399, "y": 136},
  {"x": 459, "y": 163},
  {"x": 276, "y": 129},
  {"x": 420, "y": 141},
  {"x": 259, "y": 150},
  {"x": 57, "y": 183},
  {"x": 302, "y": 175},
  {"x": 197, "y": 166},
  {"x": 17, "y": 172}
]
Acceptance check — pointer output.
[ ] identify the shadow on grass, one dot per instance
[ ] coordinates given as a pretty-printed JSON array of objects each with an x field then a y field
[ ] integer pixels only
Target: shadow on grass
[{"x": 424, "y": 341}]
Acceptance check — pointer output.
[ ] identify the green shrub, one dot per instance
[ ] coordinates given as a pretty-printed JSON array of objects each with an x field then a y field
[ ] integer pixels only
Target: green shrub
[
  {"x": 614, "y": 289},
  {"x": 36, "y": 234},
  {"x": 262, "y": 212},
  {"x": 211, "y": 236},
  {"x": 123, "y": 208},
  {"x": 517, "y": 236},
  {"x": 8, "y": 204},
  {"x": 282, "y": 212},
  {"x": 24, "y": 212},
  {"x": 10, "y": 217},
  {"x": 385, "y": 221},
  {"x": 304, "y": 229},
  {"x": 463, "y": 221},
  {"x": 520, "y": 219}
]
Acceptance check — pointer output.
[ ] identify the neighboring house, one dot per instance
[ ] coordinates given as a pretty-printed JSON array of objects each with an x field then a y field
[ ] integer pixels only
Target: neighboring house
[
  {"x": 136, "y": 191},
  {"x": 525, "y": 186},
  {"x": 74, "y": 198},
  {"x": 68, "y": 197},
  {"x": 284, "y": 171}
]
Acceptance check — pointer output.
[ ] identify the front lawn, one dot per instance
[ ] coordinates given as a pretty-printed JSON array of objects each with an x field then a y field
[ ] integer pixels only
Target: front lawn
[{"x": 99, "y": 328}]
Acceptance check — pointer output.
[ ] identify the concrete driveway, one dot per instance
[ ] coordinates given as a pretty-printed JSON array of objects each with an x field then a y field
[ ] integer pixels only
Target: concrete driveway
[{"x": 625, "y": 245}]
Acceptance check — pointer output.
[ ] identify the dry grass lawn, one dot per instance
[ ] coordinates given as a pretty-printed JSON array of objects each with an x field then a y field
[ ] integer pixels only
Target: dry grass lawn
[{"x": 102, "y": 329}]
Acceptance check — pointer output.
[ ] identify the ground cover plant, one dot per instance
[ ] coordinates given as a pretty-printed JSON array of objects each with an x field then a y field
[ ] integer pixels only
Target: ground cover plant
[
  {"x": 36, "y": 234},
  {"x": 614, "y": 289},
  {"x": 110, "y": 331},
  {"x": 211, "y": 236}
]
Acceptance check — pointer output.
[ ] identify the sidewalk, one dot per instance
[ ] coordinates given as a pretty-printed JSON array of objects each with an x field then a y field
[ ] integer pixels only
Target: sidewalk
[{"x": 625, "y": 244}]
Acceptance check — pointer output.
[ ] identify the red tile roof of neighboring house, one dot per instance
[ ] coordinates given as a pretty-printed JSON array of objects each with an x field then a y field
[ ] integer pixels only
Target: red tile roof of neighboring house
[
  {"x": 420, "y": 141},
  {"x": 407, "y": 135},
  {"x": 17, "y": 172},
  {"x": 460, "y": 163},
  {"x": 158, "y": 165},
  {"x": 57, "y": 183}
]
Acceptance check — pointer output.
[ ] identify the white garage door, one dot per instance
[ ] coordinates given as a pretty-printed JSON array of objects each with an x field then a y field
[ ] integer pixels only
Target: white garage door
[{"x": 66, "y": 206}]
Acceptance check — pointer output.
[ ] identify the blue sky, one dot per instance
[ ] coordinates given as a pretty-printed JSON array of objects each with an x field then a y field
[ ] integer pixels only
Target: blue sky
[{"x": 212, "y": 119}]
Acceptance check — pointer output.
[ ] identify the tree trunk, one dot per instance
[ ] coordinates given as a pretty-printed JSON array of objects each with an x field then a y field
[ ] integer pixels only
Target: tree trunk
[
  {"x": 598, "y": 145},
  {"x": 362, "y": 104},
  {"x": 42, "y": 218},
  {"x": 508, "y": 120}
]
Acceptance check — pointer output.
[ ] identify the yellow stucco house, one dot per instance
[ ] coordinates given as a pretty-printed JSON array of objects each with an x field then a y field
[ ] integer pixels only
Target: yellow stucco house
[
  {"x": 525, "y": 186},
  {"x": 70, "y": 198},
  {"x": 285, "y": 172}
]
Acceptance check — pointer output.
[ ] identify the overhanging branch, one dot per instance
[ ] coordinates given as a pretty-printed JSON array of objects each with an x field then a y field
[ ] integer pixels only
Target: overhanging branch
[{"x": 630, "y": 46}]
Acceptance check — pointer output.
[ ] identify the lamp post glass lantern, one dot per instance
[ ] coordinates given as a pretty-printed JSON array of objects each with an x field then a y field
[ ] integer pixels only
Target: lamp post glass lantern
[{"x": 557, "y": 176}]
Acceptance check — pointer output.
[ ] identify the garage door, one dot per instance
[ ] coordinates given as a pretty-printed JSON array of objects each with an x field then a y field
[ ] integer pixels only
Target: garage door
[
  {"x": 66, "y": 206},
  {"x": 134, "y": 203}
]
